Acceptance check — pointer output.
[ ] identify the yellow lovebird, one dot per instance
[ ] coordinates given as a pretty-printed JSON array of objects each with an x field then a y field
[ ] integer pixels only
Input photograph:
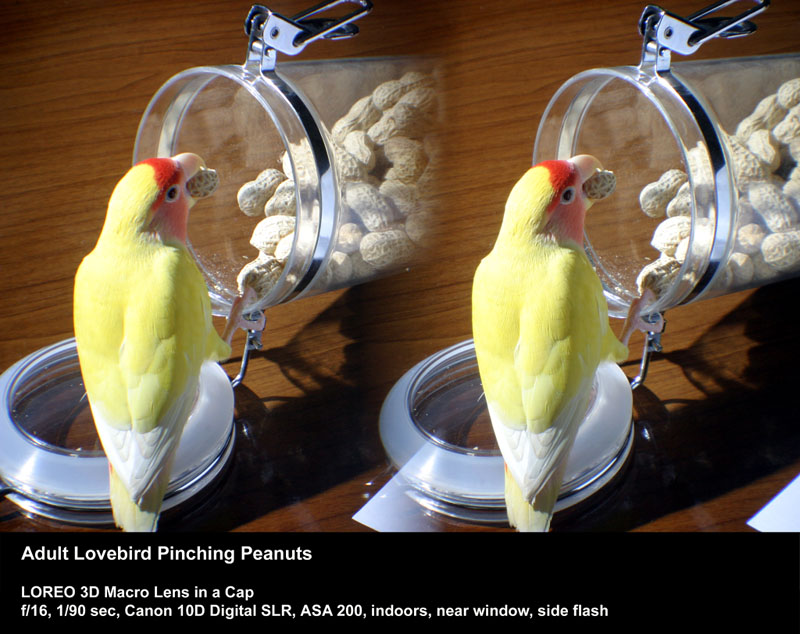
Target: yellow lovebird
[
  {"x": 540, "y": 324},
  {"x": 143, "y": 327}
]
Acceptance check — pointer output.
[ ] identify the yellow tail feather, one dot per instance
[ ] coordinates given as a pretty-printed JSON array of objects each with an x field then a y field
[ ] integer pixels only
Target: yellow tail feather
[
  {"x": 526, "y": 517},
  {"x": 141, "y": 517}
]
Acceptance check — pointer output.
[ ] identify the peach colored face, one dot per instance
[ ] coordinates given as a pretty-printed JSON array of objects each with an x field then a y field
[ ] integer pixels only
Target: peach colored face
[
  {"x": 567, "y": 209},
  {"x": 171, "y": 207}
]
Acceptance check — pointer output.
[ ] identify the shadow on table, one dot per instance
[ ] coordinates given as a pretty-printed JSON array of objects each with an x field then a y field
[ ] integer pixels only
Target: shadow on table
[
  {"x": 745, "y": 427},
  {"x": 290, "y": 449}
]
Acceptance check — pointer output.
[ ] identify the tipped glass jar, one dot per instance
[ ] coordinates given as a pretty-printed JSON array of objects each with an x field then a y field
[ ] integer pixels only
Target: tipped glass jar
[
  {"x": 325, "y": 169},
  {"x": 706, "y": 157}
]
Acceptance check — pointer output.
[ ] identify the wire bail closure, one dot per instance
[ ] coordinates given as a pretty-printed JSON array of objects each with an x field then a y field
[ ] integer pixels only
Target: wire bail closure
[
  {"x": 663, "y": 33},
  {"x": 253, "y": 343},
  {"x": 652, "y": 343},
  {"x": 271, "y": 32}
]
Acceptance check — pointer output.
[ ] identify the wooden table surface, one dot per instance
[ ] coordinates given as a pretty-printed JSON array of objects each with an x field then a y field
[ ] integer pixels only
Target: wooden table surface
[{"x": 717, "y": 425}]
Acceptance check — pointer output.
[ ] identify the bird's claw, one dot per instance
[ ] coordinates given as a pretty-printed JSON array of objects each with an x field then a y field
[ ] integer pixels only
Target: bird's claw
[
  {"x": 236, "y": 319},
  {"x": 634, "y": 320}
]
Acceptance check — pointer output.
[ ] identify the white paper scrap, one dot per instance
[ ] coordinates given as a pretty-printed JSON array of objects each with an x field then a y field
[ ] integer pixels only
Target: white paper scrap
[
  {"x": 392, "y": 510},
  {"x": 782, "y": 513}
]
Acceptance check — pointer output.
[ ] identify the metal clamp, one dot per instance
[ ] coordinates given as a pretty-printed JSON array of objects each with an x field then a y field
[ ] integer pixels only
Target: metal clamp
[
  {"x": 664, "y": 31},
  {"x": 652, "y": 343},
  {"x": 253, "y": 343},
  {"x": 270, "y": 32}
]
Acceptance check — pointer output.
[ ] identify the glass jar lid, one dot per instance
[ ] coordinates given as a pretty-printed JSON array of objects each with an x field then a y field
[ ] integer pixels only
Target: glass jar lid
[
  {"x": 436, "y": 430},
  {"x": 317, "y": 186},
  {"x": 241, "y": 117},
  {"x": 51, "y": 460},
  {"x": 704, "y": 171},
  {"x": 236, "y": 120}
]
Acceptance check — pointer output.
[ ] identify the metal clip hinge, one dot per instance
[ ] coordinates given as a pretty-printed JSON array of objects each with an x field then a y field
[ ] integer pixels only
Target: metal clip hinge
[
  {"x": 652, "y": 343},
  {"x": 270, "y": 31},
  {"x": 664, "y": 31},
  {"x": 253, "y": 343}
]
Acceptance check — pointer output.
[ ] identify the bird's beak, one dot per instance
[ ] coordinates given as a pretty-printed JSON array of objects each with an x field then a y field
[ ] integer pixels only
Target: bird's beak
[
  {"x": 587, "y": 166},
  {"x": 190, "y": 163},
  {"x": 200, "y": 181}
]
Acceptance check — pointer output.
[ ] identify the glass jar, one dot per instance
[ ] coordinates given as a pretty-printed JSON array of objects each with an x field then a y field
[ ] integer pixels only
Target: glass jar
[
  {"x": 436, "y": 430},
  {"x": 51, "y": 462},
  {"x": 708, "y": 190},
  {"x": 325, "y": 173},
  {"x": 707, "y": 202},
  {"x": 325, "y": 170}
]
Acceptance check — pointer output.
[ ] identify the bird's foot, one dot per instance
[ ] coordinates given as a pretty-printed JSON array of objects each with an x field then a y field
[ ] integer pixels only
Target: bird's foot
[
  {"x": 236, "y": 318},
  {"x": 634, "y": 320}
]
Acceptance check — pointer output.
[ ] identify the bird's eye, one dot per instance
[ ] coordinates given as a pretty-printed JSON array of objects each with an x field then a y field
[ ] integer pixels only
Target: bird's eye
[
  {"x": 173, "y": 193},
  {"x": 568, "y": 195}
]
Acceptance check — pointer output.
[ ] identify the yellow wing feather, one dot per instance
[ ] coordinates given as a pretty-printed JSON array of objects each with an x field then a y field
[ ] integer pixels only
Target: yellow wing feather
[
  {"x": 143, "y": 325},
  {"x": 540, "y": 324},
  {"x": 530, "y": 313}
]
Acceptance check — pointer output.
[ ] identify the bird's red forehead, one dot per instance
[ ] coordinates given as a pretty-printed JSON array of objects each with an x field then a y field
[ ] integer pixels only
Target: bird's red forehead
[
  {"x": 165, "y": 171},
  {"x": 560, "y": 173}
]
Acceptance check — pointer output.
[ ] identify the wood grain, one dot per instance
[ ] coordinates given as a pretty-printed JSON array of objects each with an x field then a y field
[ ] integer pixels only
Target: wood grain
[{"x": 717, "y": 425}]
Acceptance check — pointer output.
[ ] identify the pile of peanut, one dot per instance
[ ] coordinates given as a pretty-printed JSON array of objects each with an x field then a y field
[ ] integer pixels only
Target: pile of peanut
[
  {"x": 384, "y": 155},
  {"x": 766, "y": 158}
]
